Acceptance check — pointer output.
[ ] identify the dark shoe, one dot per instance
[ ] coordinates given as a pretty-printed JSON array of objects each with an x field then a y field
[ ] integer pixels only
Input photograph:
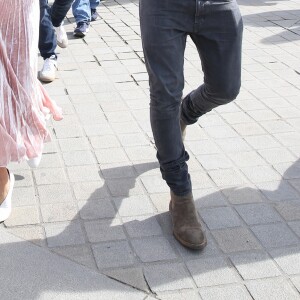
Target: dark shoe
[
  {"x": 94, "y": 14},
  {"x": 82, "y": 29},
  {"x": 183, "y": 129},
  {"x": 186, "y": 226}
]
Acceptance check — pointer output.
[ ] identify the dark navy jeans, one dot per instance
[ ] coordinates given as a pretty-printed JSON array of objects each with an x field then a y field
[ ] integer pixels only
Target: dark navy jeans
[
  {"x": 216, "y": 28},
  {"x": 50, "y": 17}
]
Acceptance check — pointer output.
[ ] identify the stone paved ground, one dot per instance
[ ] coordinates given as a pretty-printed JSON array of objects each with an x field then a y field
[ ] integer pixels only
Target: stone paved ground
[{"x": 98, "y": 198}]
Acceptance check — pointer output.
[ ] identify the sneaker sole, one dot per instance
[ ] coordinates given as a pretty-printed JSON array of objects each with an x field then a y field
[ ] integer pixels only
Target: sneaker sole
[
  {"x": 62, "y": 44},
  {"x": 46, "y": 79},
  {"x": 80, "y": 34}
]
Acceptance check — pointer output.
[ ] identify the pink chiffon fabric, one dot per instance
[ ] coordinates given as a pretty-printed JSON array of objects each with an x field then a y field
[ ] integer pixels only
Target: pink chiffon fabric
[{"x": 24, "y": 103}]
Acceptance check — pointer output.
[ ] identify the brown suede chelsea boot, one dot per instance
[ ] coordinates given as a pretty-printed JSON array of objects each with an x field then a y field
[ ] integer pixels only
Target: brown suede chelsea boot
[{"x": 186, "y": 226}]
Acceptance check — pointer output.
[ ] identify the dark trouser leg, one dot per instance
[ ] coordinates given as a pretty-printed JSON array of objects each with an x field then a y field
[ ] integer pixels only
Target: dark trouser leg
[
  {"x": 59, "y": 11},
  {"x": 164, "y": 40},
  {"x": 47, "y": 40},
  {"x": 218, "y": 39}
]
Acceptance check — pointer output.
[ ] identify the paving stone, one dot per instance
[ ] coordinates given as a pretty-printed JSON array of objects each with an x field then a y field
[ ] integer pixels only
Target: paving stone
[
  {"x": 203, "y": 147},
  {"x": 248, "y": 129},
  {"x": 59, "y": 212},
  {"x": 296, "y": 282},
  {"x": 24, "y": 196},
  {"x": 277, "y": 155},
  {"x": 236, "y": 239},
  {"x": 23, "y": 178},
  {"x": 288, "y": 138},
  {"x": 142, "y": 226},
  {"x": 105, "y": 141},
  {"x": 81, "y": 254},
  {"x": 55, "y": 193},
  {"x": 77, "y": 158},
  {"x": 233, "y": 145},
  {"x": 225, "y": 292},
  {"x": 83, "y": 173},
  {"x": 243, "y": 195},
  {"x": 214, "y": 161},
  {"x": 262, "y": 142},
  {"x": 144, "y": 249},
  {"x": 180, "y": 295},
  {"x": 254, "y": 265},
  {"x": 97, "y": 129},
  {"x": 74, "y": 144},
  {"x": 275, "y": 288},
  {"x": 227, "y": 177},
  {"x": 220, "y": 217},
  {"x": 50, "y": 176},
  {"x": 90, "y": 190},
  {"x": 275, "y": 235},
  {"x": 261, "y": 174},
  {"x": 112, "y": 155},
  {"x": 246, "y": 159},
  {"x": 289, "y": 170},
  {"x": 260, "y": 213},
  {"x": 113, "y": 254},
  {"x": 290, "y": 210},
  {"x": 104, "y": 230},
  {"x": 167, "y": 277},
  {"x": 71, "y": 131},
  {"x": 288, "y": 259},
  {"x": 210, "y": 197},
  {"x": 130, "y": 276},
  {"x": 212, "y": 271},
  {"x": 133, "y": 205},
  {"x": 141, "y": 153},
  {"x": 223, "y": 131},
  {"x": 295, "y": 227},
  {"x": 124, "y": 187},
  {"x": 278, "y": 190},
  {"x": 23, "y": 215},
  {"x": 64, "y": 234},
  {"x": 96, "y": 209},
  {"x": 200, "y": 180},
  {"x": 155, "y": 184}
]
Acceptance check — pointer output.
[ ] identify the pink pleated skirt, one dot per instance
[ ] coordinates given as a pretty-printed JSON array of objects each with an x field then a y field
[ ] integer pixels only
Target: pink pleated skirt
[{"x": 24, "y": 103}]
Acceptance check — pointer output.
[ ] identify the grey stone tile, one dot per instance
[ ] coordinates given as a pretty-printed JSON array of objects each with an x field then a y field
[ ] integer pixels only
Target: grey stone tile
[
  {"x": 212, "y": 271},
  {"x": 278, "y": 190},
  {"x": 210, "y": 197},
  {"x": 203, "y": 147},
  {"x": 254, "y": 265},
  {"x": 80, "y": 254},
  {"x": 113, "y": 254},
  {"x": 236, "y": 239},
  {"x": 275, "y": 235},
  {"x": 227, "y": 177},
  {"x": 258, "y": 213},
  {"x": 220, "y": 217},
  {"x": 290, "y": 210},
  {"x": 243, "y": 195},
  {"x": 50, "y": 176},
  {"x": 79, "y": 158},
  {"x": 90, "y": 190},
  {"x": 96, "y": 209},
  {"x": 277, "y": 155},
  {"x": 144, "y": 249},
  {"x": 295, "y": 227},
  {"x": 97, "y": 129},
  {"x": 288, "y": 259},
  {"x": 23, "y": 215},
  {"x": 261, "y": 174},
  {"x": 246, "y": 159},
  {"x": 24, "y": 196},
  {"x": 225, "y": 292},
  {"x": 74, "y": 144},
  {"x": 83, "y": 173},
  {"x": 142, "y": 226},
  {"x": 167, "y": 277},
  {"x": 288, "y": 138},
  {"x": 64, "y": 234},
  {"x": 133, "y": 206},
  {"x": 125, "y": 187},
  {"x": 233, "y": 145},
  {"x": 141, "y": 153},
  {"x": 118, "y": 170},
  {"x": 104, "y": 230},
  {"x": 112, "y": 155},
  {"x": 248, "y": 129},
  {"x": 23, "y": 178},
  {"x": 59, "y": 212},
  {"x": 214, "y": 161},
  {"x": 104, "y": 141},
  {"x": 69, "y": 131},
  {"x": 296, "y": 282},
  {"x": 180, "y": 295},
  {"x": 274, "y": 288},
  {"x": 289, "y": 170},
  {"x": 262, "y": 142},
  {"x": 51, "y": 160},
  {"x": 155, "y": 184},
  {"x": 55, "y": 193}
]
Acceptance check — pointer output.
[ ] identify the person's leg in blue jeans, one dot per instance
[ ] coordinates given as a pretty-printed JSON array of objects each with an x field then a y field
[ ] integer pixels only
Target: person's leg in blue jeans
[
  {"x": 59, "y": 11},
  {"x": 216, "y": 29},
  {"x": 83, "y": 14}
]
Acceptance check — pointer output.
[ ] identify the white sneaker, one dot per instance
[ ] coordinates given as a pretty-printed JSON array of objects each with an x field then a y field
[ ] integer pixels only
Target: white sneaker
[
  {"x": 48, "y": 72},
  {"x": 5, "y": 207},
  {"x": 34, "y": 162},
  {"x": 61, "y": 36}
]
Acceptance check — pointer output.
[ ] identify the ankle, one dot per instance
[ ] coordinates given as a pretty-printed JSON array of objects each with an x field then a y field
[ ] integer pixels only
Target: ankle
[{"x": 4, "y": 184}]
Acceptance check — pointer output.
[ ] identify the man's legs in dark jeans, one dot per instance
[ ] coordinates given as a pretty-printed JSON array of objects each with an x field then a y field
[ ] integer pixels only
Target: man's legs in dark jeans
[
  {"x": 216, "y": 29},
  {"x": 47, "y": 39},
  {"x": 59, "y": 11}
]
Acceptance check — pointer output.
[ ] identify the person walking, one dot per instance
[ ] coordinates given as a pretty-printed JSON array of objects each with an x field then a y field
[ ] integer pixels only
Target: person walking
[
  {"x": 216, "y": 28},
  {"x": 52, "y": 33},
  {"x": 84, "y": 12},
  {"x": 24, "y": 103}
]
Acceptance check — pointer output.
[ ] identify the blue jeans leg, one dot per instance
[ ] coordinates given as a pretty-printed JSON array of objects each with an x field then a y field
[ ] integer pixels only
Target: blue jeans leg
[
  {"x": 82, "y": 9},
  {"x": 216, "y": 29},
  {"x": 59, "y": 11},
  {"x": 47, "y": 39}
]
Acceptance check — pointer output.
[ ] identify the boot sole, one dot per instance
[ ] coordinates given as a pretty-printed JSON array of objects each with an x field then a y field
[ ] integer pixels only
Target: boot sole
[{"x": 190, "y": 245}]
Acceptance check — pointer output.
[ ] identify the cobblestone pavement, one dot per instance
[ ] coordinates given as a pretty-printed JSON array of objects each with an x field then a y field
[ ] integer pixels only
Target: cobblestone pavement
[{"x": 98, "y": 197}]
